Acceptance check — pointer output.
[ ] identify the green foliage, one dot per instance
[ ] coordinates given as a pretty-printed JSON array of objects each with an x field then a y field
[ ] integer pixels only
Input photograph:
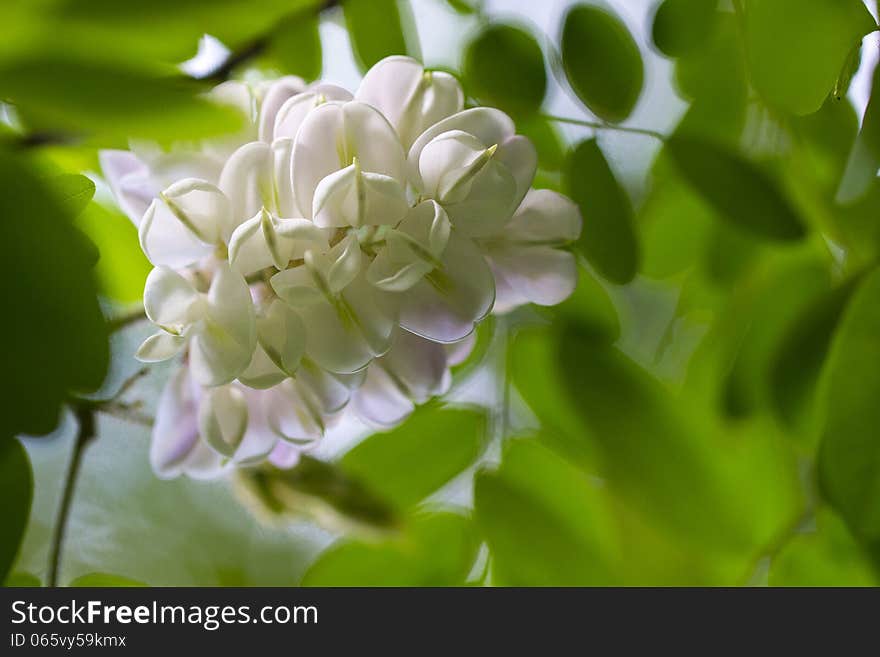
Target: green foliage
[
  {"x": 682, "y": 26},
  {"x": 602, "y": 62},
  {"x": 608, "y": 239},
  {"x": 56, "y": 332},
  {"x": 296, "y": 46},
  {"x": 504, "y": 66},
  {"x": 408, "y": 463},
  {"x": 104, "y": 580},
  {"x": 738, "y": 190},
  {"x": 797, "y": 50},
  {"x": 434, "y": 549},
  {"x": 16, "y": 491},
  {"x": 122, "y": 268},
  {"x": 22, "y": 580},
  {"x": 376, "y": 30},
  {"x": 849, "y": 456},
  {"x": 74, "y": 192},
  {"x": 545, "y": 522}
]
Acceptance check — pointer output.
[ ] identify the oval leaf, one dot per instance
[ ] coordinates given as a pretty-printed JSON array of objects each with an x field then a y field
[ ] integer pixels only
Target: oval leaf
[
  {"x": 504, "y": 66},
  {"x": 602, "y": 62},
  {"x": 798, "y": 49},
  {"x": 375, "y": 28},
  {"x": 683, "y": 26},
  {"x": 608, "y": 239},
  {"x": 736, "y": 189}
]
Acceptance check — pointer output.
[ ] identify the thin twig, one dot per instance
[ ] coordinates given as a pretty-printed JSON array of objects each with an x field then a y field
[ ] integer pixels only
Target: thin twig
[
  {"x": 598, "y": 125},
  {"x": 86, "y": 418},
  {"x": 260, "y": 44}
]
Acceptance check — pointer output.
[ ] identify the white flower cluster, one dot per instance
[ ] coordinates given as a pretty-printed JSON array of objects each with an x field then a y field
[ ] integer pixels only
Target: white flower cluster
[{"x": 338, "y": 254}]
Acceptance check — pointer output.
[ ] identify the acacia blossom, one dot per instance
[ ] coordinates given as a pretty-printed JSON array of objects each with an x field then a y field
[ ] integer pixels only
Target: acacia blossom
[{"x": 334, "y": 256}]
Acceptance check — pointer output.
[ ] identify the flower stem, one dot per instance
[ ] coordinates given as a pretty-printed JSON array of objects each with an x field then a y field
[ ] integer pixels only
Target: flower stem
[
  {"x": 85, "y": 416},
  {"x": 598, "y": 125}
]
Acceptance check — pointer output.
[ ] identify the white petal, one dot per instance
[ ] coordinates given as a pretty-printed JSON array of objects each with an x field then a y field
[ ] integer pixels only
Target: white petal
[
  {"x": 539, "y": 274},
  {"x": 292, "y": 113},
  {"x": 166, "y": 241},
  {"x": 237, "y": 94},
  {"x": 247, "y": 181},
  {"x": 446, "y": 305},
  {"x": 458, "y": 352},
  {"x": 379, "y": 402},
  {"x": 175, "y": 431},
  {"x": 201, "y": 207},
  {"x": 489, "y": 204},
  {"x": 489, "y": 125},
  {"x": 262, "y": 372},
  {"x": 330, "y": 392},
  {"x": 409, "y": 98},
  {"x": 544, "y": 216},
  {"x": 345, "y": 259},
  {"x": 296, "y": 286},
  {"x": 215, "y": 357},
  {"x": 332, "y": 135},
  {"x": 249, "y": 249},
  {"x": 170, "y": 301},
  {"x": 518, "y": 154},
  {"x": 278, "y": 93},
  {"x": 230, "y": 306},
  {"x": 284, "y": 455},
  {"x": 282, "y": 336},
  {"x": 351, "y": 197},
  {"x": 293, "y": 417},
  {"x": 129, "y": 180},
  {"x": 160, "y": 346},
  {"x": 449, "y": 163},
  {"x": 223, "y": 419},
  {"x": 419, "y": 366}
]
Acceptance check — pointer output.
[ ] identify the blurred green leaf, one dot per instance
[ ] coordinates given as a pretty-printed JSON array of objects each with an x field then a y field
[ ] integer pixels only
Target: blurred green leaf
[
  {"x": 738, "y": 190},
  {"x": 608, "y": 239},
  {"x": 107, "y": 99},
  {"x": 466, "y": 7},
  {"x": 591, "y": 308},
  {"x": 785, "y": 294},
  {"x": 826, "y": 556},
  {"x": 547, "y": 140},
  {"x": 795, "y": 368},
  {"x": 376, "y": 30},
  {"x": 849, "y": 454},
  {"x": 16, "y": 491},
  {"x": 545, "y": 523},
  {"x": 74, "y": 191},
  {"x": 296, "y": 46},
  {"x": 682, "y": 26},
  {"x": 408, "y": 463},
  {"x": 864, "y": 159},
  {"x": 22, "y": 580},
  {"x": 602, "y": 62},
  {"x": 797, "y": 49},
  {"x": 318, "y": 490},
  {"x": 435, "y": 549},
  {"x": 104, "y": 580},
  {"x": 122, "y": 268},
  {"x": 55, "y": 330},
  {"x": 656, "y": 454},
  {"x": 504, "y": 66}
]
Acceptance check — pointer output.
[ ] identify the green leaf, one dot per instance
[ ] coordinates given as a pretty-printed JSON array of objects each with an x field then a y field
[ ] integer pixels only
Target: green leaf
[
  {"x": 436, "y": 549},
  {"x": 110, "y": 100},
  {"x": 797, "y": 49},
  {"x": 74, "y": 191},
  {"x": 376, "y": 30},
  {"x": 736, "y": 189},
  {"x": 828, "y": 555},
  {"x": 547, "y": 140},
  {"x": 669, "y": 463},
  {"x": 24, "y": 580},
  {"x": 56, "y": 333},
  {"x": 104, "y": 580},
  {"x": 602, "y": 62},
  {"x": 16, "y": 491},
  {"x": 590, "y": 307},
  {"x": 465, "y": 7},
  {"x": 683, "y": 26},
  {"x": 849, "y": 454},
  {"x": 296, "y": 46},
  {"x": 864, "y": 159},
  {"x": 408, "y": 463},
  {"x": 318, "y": 490},
  {"x": 795, "y": 368},
  {"x": 608, "y": 239},
  {"x": 122, "y": 268},
  {"x": 504, "y": 67},
  {"x": 545, "y": 523}
]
